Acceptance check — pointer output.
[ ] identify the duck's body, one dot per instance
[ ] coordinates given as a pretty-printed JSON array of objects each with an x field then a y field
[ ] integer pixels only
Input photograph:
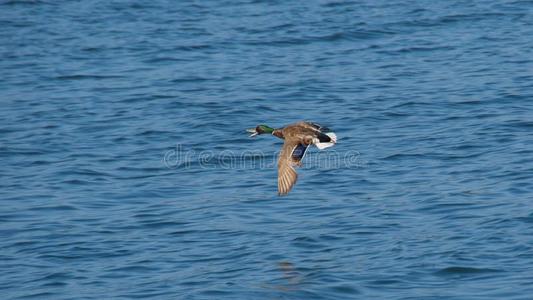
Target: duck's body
[{"x": 298, "y": 137}]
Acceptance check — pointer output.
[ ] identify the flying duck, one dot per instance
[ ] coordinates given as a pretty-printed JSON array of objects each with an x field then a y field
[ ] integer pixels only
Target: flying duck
[{"x": 298, "y": 137}]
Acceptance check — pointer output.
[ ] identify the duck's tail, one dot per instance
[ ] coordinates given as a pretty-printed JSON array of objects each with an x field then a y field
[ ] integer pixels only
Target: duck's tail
[{"x": 323, "y": 144}]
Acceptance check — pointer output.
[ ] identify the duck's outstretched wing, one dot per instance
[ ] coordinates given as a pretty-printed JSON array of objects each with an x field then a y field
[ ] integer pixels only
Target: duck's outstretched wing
[
  {"x": 315, "y": 126},
  {"x": 287, "y": 176}
]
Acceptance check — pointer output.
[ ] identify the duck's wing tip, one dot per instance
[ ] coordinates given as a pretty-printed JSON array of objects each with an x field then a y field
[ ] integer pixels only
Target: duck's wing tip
[{"x": 287, "y": 178}]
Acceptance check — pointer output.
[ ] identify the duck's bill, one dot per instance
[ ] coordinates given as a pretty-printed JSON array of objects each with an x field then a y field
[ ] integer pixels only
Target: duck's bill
[{"x": 252, "y": 131}]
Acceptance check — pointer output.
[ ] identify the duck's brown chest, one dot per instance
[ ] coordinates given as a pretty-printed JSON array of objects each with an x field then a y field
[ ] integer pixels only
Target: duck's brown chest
[{"x": 278, "y": 133}]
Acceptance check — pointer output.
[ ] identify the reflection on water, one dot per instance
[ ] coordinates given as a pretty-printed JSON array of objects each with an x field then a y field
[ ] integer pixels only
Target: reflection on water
[
  {"x": 290, "y": 274},
  {"x": 291, "y": 278}
]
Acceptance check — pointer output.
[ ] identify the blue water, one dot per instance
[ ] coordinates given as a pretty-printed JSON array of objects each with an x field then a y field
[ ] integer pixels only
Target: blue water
[{"x": 122, "y": 172}]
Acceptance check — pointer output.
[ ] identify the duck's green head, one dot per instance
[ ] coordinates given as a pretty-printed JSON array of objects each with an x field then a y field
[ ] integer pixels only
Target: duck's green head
[{"x": 260, "y": 129}]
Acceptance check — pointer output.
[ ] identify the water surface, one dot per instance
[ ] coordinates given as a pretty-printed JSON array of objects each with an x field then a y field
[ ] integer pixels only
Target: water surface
[{"x": 434, "y": 97}]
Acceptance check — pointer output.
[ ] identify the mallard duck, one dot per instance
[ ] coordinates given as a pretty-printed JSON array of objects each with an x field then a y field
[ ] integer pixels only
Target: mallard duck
[{"x": 298, "y": 137}]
